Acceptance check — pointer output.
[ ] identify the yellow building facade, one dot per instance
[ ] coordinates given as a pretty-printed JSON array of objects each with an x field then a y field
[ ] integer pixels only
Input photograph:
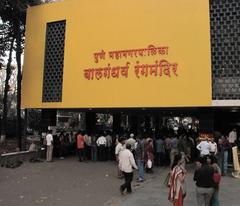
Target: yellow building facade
[{"x": 118, "y": 54}]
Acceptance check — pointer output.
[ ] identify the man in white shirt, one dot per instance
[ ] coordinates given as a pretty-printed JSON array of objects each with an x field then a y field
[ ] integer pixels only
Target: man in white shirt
[
  {"x": 49, "y": 140},
  {"x": 213, "y": 145},
  {"x": 204, "y": 147},
  {"x": 101, "y": 143},
  {"x": 131, "y": 141},
  {"x": 118, "y": 149},
  {"x": 126, "y": 164},
  {"x": 88, "y": 142}
]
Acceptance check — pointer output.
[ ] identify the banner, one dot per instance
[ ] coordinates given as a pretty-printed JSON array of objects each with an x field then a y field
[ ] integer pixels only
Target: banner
[{"x": 236, "y": 172}]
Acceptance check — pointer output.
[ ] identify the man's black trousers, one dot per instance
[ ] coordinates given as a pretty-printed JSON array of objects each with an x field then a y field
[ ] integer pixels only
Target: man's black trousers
[{"x": 128, "y": 179}]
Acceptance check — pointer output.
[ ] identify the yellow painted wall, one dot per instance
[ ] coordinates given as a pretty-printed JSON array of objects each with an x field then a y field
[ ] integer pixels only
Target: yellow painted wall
[{"x": 111, "y": 25}]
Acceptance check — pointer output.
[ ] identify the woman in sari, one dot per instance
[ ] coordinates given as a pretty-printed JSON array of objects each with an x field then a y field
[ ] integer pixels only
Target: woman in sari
[{"x": 177, "y": 181}]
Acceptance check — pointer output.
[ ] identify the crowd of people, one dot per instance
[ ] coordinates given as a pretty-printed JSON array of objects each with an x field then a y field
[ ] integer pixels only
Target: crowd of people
[
  {"x": 87, "y": 147},
  {"x": 212, "y": 163},
  {"x": 144, "y": 152},
  {"x": 207, "y": 178}
]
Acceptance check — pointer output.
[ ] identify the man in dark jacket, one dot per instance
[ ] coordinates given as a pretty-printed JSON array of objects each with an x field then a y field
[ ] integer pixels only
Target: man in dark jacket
[{"x": 204, "y": 183}]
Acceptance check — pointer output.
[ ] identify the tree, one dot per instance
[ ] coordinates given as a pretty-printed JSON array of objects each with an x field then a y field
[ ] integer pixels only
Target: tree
[
  {"x": 6, "y": 44},
  {"x": 7, "y": 87},
  {"x": 13, "y": 13},
  {"x": 3, "y": 42}
]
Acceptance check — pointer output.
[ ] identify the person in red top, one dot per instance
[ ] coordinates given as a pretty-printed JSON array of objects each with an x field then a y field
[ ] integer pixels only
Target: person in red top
[
  {"x": 80, "y": 146},
  {"x": 149, "y": 156},
  {"x": 216, "y": 180}
]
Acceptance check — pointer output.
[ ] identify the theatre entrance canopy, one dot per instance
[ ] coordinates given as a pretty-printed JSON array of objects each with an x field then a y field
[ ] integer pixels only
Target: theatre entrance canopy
[{"x": 117, "y": 54}]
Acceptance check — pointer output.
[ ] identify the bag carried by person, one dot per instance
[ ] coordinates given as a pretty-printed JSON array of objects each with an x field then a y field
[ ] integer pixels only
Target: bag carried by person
[
  {"x": 149, "y": 164},
  {"x": 216, "y": 180}
]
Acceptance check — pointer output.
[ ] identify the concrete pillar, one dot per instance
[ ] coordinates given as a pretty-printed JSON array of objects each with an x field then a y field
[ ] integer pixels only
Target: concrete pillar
[
  {"x": 147, "y": 123},
  {"x": 90, "y": 122},
  {"x": 156, "y": 122},
  {"x": 134, "y": 123},
  {"x": 117, "y": 123},
  {"x": 48, "y": 118},
  {"x": 206, "y": 120}
]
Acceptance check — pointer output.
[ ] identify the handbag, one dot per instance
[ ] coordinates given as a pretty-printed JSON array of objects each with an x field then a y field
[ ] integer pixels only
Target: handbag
[{"x": 149, "y": 164}]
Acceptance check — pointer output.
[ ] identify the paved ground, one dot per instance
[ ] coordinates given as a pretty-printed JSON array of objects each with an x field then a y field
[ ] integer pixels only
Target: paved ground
[
  {"x": 70, "y": 183},
  {"x": 155, "y": 193}
]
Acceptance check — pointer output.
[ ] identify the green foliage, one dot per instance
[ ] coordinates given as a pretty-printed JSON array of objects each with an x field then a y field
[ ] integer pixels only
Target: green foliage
[
  {"x": 12, "y": 20},
  {"x": 12, "y": 11},
  {"x": 5, "y": 41},
  {"x": 12, "y": 14}
]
